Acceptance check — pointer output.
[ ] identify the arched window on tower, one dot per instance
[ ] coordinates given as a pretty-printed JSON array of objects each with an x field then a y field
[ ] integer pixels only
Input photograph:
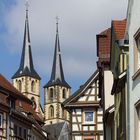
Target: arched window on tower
[
  {"x": 51, "y": 112},
  {"x": 19, "y": 85},
  {"x": 33, "y": 86},
  {"x": 51, "y": 93},
  {"x": 64, "y": 93}
]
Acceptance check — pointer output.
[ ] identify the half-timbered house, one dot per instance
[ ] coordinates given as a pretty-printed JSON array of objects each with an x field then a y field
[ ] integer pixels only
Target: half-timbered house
[
  {"x": 18, "y": 119},
  {"x": 85, "y": 111}
]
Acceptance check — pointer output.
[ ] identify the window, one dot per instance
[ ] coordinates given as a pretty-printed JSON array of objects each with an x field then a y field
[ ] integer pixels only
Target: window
[
  {"x": 19, "y": 86},
  {"x": 137, "y": 122},
  {"x": 137, "y": 52},
  {"x": 15, "y": 130},
  {"x": 64, "y": 93},
  {"x": 138, "y": 47},
  {"x": 12, "y": 103},
  {"x": 1, "y": 120},
  {"x": 51, "y": 93},
  {"x": 33, "y": 87},
  {"x": 51, "y": 111},
  {"x": 89, "y": 117},
  {"x": 25, "y": 134},
  {"x": 20, "y": 131},
  {"x": 122, "y": 62}
]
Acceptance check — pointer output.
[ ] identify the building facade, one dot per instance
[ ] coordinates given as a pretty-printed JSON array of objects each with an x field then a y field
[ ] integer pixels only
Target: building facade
[
  {"x": 118, "y": 66},
  {"x": 105, "y": 82},
  {"x": 19, "y": 121},
  {"x": 85, "y": 111},
  {"x": 133, "y": 34}
]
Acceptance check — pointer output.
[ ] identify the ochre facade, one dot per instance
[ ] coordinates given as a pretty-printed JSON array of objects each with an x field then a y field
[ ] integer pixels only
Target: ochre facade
[{"x": 53, "y": 111}]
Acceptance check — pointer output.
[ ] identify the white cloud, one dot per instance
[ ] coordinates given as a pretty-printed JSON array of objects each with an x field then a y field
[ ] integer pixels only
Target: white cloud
[{"x": 80, "y": 21}]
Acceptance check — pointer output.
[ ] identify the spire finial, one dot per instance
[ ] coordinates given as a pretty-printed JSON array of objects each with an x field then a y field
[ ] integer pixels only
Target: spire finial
[
  {"x": 27, "y": 7},
  {"x": 57, "y": 19}
]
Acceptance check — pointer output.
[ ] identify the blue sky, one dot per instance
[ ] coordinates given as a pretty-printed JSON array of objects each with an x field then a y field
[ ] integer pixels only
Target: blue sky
[{"x": 80, "y": 21}]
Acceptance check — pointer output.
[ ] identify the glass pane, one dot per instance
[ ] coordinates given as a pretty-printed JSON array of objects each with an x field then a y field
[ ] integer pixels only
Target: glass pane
[{"x": 88, "y": 116}]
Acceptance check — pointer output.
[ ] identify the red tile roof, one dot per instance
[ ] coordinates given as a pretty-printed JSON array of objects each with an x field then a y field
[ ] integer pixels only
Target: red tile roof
[
  {"x": 21, "y": 100},
  {"x": 7, "y": 86},
  {"x": 27, "y": 108},
  {"x": 119, "y": 28},
  {"x": 103, "y": 44},
  {"x": 3, "y": 99}
]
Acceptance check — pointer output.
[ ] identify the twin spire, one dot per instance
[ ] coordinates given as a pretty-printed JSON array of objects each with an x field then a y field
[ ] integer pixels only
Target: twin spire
[
  {"x": 26, "y": 67},
  {"x": 57, "y": 75}
]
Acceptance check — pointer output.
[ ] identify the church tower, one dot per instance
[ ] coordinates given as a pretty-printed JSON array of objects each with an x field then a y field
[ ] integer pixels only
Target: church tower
[
  {"x": 56, "y": 90},
  {"x": 26, "y": 79}
]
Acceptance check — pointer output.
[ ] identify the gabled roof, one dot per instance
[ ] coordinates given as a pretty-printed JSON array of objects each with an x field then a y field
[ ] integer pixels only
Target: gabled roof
[
  {"x": 26, "y": 67},
  {"x": 119, "y": 27},
  {"x": 81, "y": 90},
  {"x": 57, "y": 75}
]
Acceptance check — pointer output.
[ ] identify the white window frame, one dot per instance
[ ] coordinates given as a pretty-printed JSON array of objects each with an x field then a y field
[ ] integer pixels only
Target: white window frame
[{"x": 138, "y": 48}]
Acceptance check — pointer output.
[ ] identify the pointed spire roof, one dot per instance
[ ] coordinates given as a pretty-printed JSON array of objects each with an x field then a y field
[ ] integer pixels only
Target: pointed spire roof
[
  {"x": 26, "y": 67},
  {"x": 57, "y": 75}
]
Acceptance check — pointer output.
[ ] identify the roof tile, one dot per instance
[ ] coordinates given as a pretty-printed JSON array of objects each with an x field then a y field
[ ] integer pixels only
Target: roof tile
[{"x": 119, "y": 28}]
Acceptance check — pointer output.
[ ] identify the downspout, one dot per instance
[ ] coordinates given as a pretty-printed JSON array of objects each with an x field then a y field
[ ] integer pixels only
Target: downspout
[{"x": 127, "y": 103}]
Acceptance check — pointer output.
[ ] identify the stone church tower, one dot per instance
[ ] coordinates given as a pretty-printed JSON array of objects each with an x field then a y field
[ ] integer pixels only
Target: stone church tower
[
  {"x": 56, "y": 90},
  {"x": 26, "y": 79}
]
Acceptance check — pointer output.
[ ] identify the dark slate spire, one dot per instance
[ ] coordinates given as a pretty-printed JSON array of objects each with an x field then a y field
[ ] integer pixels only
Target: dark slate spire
[
  {"x": 57, "y": 75},
  {"x": 26, "y": 67}
]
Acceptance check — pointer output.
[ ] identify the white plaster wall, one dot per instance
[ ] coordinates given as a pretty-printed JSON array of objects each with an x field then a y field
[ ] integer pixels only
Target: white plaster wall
[
  {"x": 100, "y": 126},
  {"x": 134, "y": 86},
  {"x": 78, "y": 138},
  {"x": 108, "y": 82},
  {"x": 101, "y": 137}
]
